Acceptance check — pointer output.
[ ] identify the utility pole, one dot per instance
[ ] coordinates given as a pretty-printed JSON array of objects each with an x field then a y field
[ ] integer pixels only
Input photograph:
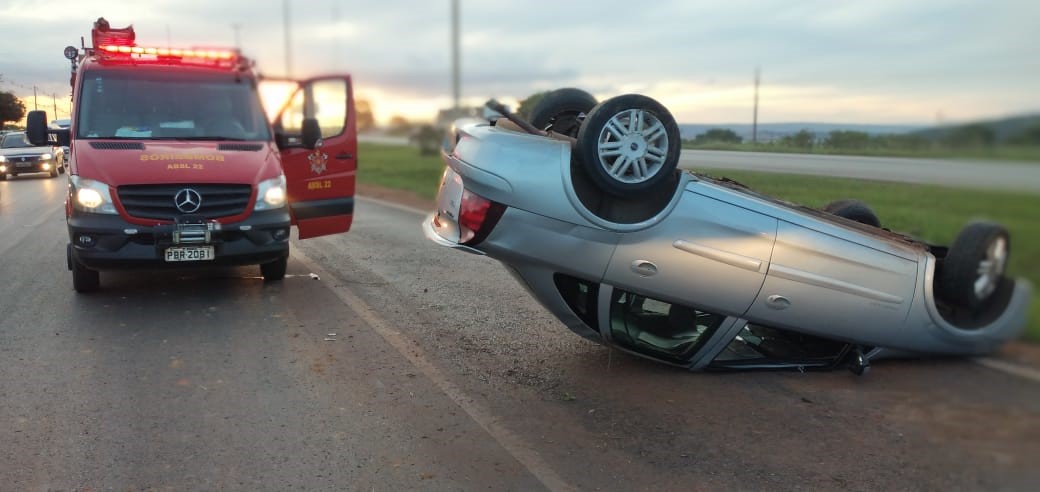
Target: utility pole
[
  {"x": 754, "y": 118},
  {"x": 288, "y": 51},
  {"x": 238, "y": 41},
  {"x": 54, "y": 99},
  {"x": 456, "y": 84},
  {"x": 35, "y": 107}
]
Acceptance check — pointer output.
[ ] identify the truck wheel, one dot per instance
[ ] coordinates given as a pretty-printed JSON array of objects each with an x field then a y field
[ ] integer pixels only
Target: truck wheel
[
  {"x": 629, "y": 144},
  {"x": 975, "y": 264},
  {"x": 84, "y": 279},
  {"x": 274, "y": 271},
  {"x": 562, "y": 111},
  {"x": 853, "y": 210}
]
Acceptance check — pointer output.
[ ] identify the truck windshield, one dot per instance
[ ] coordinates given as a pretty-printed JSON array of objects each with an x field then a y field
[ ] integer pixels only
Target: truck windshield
[
  {"x": 15, "y": 140},
  {"x": 163, "y": 103}
]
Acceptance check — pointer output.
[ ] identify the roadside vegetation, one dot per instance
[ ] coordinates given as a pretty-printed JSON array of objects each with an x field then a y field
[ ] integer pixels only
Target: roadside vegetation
[
  {"x": 932, "y": 213},
  {"x": 975, "y": 141}
]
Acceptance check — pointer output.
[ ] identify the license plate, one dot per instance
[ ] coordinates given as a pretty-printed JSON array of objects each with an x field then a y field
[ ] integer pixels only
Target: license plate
[
  {"x": 190, "y": 253},
  {"x": 21, "y": 165}
]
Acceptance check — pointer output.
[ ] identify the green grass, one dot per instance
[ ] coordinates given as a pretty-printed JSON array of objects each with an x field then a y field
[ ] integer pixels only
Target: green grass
[
  {"x": 1000, "y": 153},
  {"x": 932, "y": 213},
  {"x": 400, "y": 167}
]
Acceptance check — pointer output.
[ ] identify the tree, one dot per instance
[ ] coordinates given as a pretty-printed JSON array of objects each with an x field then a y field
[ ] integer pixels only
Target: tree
[
  {"x": 429, "y": 139},
  {"x": 973, "y": 135},
  {"x": 366, "y": 120},
  {"x": 528, "y": 104},
  {"x": 847, "y": 140},
  {"x": 1030, "y": 136},
  {"x": 718, "y": 135},
  {"x": 399, "y": 125},
  {"x": 804, "y": 139},
  {"x": 11, "y": 108}
]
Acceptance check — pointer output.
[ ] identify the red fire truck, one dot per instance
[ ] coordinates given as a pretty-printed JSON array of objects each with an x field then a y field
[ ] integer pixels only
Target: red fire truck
[{"x": 174, "y": 162}]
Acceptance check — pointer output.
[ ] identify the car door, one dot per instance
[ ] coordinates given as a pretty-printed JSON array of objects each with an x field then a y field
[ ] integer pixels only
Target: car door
[{"x": 320, "y": 181}]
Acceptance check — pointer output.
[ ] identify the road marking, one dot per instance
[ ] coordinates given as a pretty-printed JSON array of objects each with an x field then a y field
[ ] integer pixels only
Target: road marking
[
  {"x": 411, "y": 351},
  {"x": 1009, "y": 368},
  {"x": 398, "y": 206}
]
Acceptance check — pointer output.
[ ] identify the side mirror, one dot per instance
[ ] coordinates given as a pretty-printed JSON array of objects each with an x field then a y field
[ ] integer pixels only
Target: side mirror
[
  {"x": 311, "y": 132},
  {"x": 36, "y": 127}
]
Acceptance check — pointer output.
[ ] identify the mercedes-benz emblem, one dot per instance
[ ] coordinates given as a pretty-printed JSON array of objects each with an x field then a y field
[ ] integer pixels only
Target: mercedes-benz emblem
[{"x": 187, "y": 201}]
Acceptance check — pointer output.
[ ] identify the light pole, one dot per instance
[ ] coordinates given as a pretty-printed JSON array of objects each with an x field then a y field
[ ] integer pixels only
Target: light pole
[
  {"x": 288, "y": 51},
  {"x": 456, "y": 83},
  {"x": 754, "y": 118}
]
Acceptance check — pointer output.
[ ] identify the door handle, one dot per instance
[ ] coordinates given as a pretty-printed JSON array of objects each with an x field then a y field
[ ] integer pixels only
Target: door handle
[{"x": 345, "y": 155}]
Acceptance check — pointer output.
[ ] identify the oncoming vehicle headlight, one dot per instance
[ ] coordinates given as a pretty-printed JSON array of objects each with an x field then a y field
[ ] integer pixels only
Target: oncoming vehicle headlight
[
  {"x": 270, "y": 194},
  {"x": 46, "y": 157},
  {"x": 90, "y": 196},
  {"x": 3, "y": 159}
]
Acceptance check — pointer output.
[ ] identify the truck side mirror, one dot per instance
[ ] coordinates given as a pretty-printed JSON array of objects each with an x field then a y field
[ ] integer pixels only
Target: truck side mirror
[
  {"x": 311, "y": 132},
  {"x": 36, "y": 127}
]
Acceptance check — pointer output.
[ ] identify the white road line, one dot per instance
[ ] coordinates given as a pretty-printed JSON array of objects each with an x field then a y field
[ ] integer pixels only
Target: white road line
[
  {"x": 411, "y": 351},
  {"x": 1009, "y": 368},
  {"x": 398, "y": 206}
]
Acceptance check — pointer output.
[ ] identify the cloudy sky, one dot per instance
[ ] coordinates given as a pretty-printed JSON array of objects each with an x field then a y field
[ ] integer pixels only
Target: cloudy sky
[{"x": 869, "y": 61}]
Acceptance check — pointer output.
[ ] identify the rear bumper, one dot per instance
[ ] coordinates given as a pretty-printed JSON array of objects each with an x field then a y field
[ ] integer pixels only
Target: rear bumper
[{"x": 107, "y": 242}]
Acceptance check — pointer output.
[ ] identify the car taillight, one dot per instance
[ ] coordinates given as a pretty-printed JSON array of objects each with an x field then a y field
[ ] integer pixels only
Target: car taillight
[{"x": 477, "y": 217}]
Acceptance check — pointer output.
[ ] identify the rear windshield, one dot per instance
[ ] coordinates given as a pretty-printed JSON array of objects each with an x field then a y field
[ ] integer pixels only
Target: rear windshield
[{"x": 156, "y": 103}]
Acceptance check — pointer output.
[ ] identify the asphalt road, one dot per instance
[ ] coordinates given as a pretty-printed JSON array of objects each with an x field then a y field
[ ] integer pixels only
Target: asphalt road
[
  {"x": 1000, "y": 175},
  {"x": 442, "y": 374}
]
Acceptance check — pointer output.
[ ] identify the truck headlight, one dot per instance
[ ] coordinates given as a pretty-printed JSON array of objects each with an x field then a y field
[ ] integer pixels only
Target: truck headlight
[
  {"x": 91, "y": 196},
  {"x": 270, "y": 194},
  {"x": 46, "y": 157},
  {"x": 3, "y": 159}
]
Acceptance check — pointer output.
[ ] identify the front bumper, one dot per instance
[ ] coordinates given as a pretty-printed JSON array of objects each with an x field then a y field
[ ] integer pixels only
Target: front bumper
[
  {"x": 35, "y": 166},
  {"x": 107, "y": 242}
]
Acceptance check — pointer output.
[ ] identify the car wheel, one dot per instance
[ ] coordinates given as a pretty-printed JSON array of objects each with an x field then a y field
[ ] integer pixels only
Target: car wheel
[
  {"x": 274, "y": 271},
  {"x": 629, "y": 144},
  {"x": 562, "y": 111},
  {"x": 975, "y": 264},
  {"x": 3, "y": 177},
  {"x": 853, "y": 210},
  {"x": 84, "y": 279},
  {"x": 53, "y": 172}
]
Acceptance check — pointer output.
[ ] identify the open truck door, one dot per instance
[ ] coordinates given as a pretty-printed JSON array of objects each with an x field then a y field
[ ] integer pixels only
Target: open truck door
[{"x": 317, "y": 136}]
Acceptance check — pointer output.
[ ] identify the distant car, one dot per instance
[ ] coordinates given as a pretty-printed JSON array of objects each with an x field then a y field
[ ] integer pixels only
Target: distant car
[
  {"x": 18, "y": 156},
  {"x": 596, "y": 222}
]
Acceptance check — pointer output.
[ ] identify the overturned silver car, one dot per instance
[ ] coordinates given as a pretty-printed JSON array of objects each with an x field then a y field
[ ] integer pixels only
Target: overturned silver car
[{"x": 585, "y": 205}]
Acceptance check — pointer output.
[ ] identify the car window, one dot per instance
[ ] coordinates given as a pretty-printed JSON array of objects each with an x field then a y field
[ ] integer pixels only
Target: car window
[
  {"x": 765, "y": 346},
  {"x": 670, "y": 331}
]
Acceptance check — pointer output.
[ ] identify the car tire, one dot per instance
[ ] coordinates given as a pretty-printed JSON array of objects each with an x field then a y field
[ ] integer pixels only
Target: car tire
[
  {"x": 562, "y": 111},
  {"x": 53, "y": 172},
  {"x": 854, "y": 210},
  {"x": 84, "y": 280},
  {"x": 629, "y": 144},
  {"x": 275, "y": 270},
  {"x": 3, "y": 177},
  {"x": 975, "y": 264}
]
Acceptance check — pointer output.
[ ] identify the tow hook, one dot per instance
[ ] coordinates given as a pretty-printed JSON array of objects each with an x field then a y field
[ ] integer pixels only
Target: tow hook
[{"x": 859, "y": 364}]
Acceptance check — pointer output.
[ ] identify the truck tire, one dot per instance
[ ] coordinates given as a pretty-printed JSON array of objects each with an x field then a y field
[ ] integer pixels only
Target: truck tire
[
  {"x": 275, "y": 270},
  {"x": 853, "y": 210},
  {"x": 84, "y": 279},
  {"x": 975, "y": 264},
  {"x": 628, "y": 145},
  {"x": 562, "y": 111}
]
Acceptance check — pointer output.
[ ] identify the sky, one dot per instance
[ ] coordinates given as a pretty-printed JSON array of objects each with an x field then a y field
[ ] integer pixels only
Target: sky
[{"x": 866, "y": 62}]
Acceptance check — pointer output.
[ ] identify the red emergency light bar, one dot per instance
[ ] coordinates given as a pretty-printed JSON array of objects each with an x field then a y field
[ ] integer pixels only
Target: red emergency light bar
[{"x": 213, "y": 57}]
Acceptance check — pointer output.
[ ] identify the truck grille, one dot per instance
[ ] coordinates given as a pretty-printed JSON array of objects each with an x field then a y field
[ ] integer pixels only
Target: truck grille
[{"x": 158, "y": 201}]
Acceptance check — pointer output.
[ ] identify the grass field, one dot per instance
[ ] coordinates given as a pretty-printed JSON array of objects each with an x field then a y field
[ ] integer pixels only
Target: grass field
[
  {"x": 1029, "y": 154},
  {"x": 932, "y": 213}
]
